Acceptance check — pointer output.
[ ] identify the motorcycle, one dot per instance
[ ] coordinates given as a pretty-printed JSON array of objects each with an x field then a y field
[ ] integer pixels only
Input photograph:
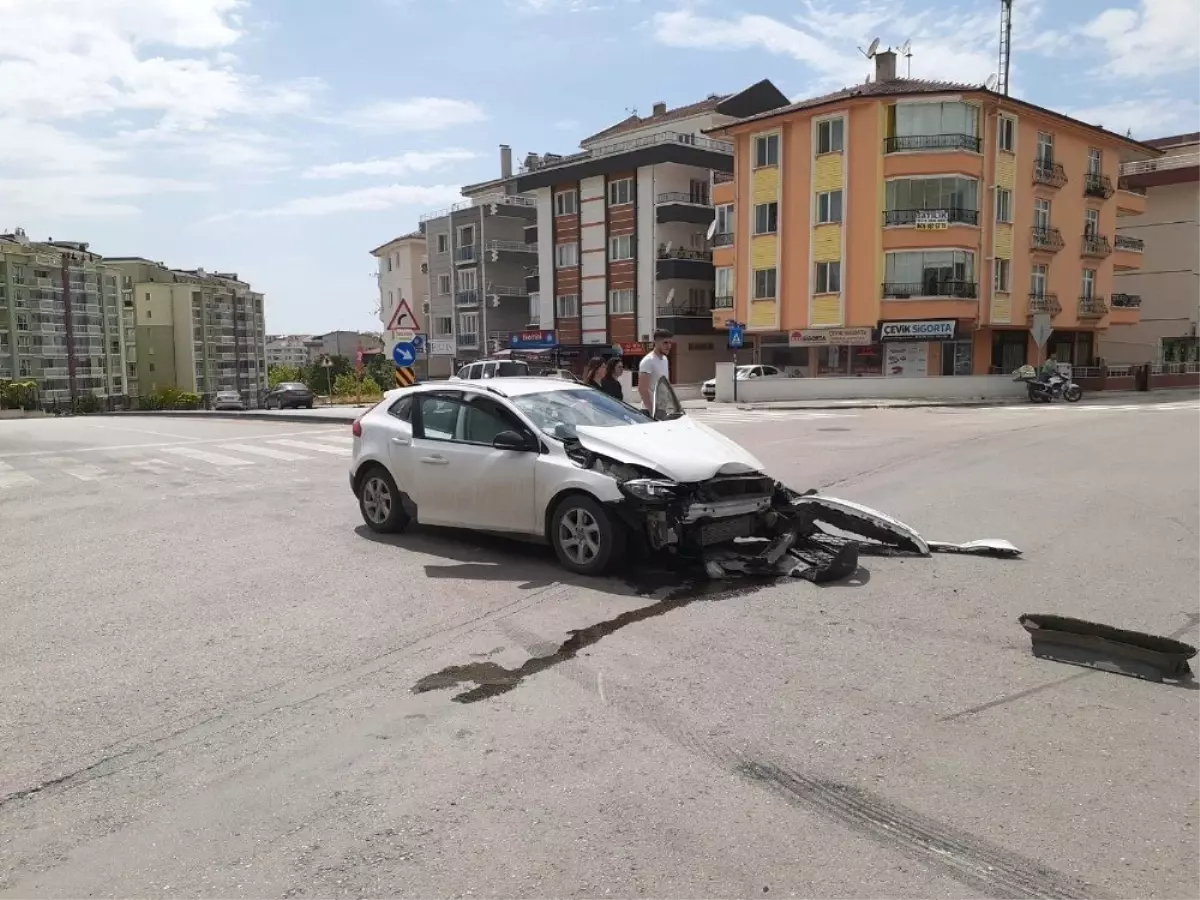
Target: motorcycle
[{"x": 1047, "y": 391}]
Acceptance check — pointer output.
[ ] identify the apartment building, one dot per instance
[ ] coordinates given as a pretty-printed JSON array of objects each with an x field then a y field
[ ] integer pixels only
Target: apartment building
[
  {"x": 193, "y": 330},
  {"x": 479, "y": 252},
  {"x": 1167, "y": 286},
  {"x": 904, "y": 227},
  {"x": 292, "y": 350},
  {"x": 622, "y": 245},
  {"x": 61, "y": 321},
  {"x": 403, "y": 274},
  {"x": 345, "y": 343}
]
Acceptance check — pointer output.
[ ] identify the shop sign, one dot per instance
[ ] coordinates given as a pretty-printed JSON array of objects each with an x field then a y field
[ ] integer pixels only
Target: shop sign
[
  {"x": 441, "y": 347},
  {"x": 824, "y": 337},
  {"x": 532, "y": 340},
  {"x": 933, "y": 219},
  {"x": 634, "y": 349},
  {"x": 933, "y": 330}
]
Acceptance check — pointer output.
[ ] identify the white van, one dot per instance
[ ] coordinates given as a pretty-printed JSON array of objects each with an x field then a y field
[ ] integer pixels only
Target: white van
[{"x": 491, "y": 368}]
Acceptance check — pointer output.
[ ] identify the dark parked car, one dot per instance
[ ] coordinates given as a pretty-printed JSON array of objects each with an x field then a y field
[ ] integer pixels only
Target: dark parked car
[{"x": 290, "y": 395}]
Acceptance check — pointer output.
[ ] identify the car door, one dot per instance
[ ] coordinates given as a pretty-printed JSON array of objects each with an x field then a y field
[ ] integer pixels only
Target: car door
[{"x": 398, "y": 447}]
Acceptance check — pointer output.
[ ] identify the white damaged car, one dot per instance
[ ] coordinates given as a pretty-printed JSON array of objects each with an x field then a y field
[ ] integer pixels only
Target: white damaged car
[{"x": 598, "y": 479}]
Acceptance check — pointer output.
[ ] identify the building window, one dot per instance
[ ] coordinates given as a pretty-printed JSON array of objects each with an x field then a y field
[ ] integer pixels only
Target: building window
[
  {"x": 1091, "y": 223},
  {"x": 1038, "y": 276},
  {"x": 566, "y": 203},
  {"x": 443, "y": 284},
  {"x": 443, "y": 243},
  {"x": 1001, "y": 271},
  {"x": 443, "y": 325},
  {"x": 766, "y": 218},
  {"x": 831, "y": 135},
  {"x": 724, "y": 284},
  {"x": 1095, "y": 161},
  {"x": 1045, "y": 149},
  {"x": 468, "y": 326},
  {"x": 466, "y": 236},
  {"x": 766, "y": 150},
  {"x": 620, "y": 247},
  {"x": 620, "y": 193},
  {"x": 829, "y": 207},
  {"x": 566, "y": 255},
  {"x": 764, "y": 284},
  {"x": 1008, "y": 134},
  {"x": 468, "y": 280},
  {"x": 1041, "y": 214},
  {"x": 959, "y": 196},
  {"x": 930, "y": 119},
  {"x": 22, "y": 322},
  {"x": 1088, "y": 286},
  {"x": 391, "y": 299},
  {"x": 829, "y": 278},
  {"x": 620, "y": 302},
  {"x": 930, "y": 273},
  {"x": 566, "y": 306},
  {"x": 149, "y": 314},
  {"x": 150, "y": 367},
  {"x": 1003, "y": 205},
  {"x": 389, "y": 261},
  {"x": 725, "y": 219}
]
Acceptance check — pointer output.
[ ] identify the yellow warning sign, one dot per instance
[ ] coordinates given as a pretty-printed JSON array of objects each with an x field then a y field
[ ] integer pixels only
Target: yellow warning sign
[{"x": 405, "y": 377}]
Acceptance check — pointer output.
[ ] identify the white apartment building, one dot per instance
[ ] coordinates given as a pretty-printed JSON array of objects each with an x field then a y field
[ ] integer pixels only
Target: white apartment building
[
  {"x": 403, "y": 275},
  {"x": 293, "y": 350}
]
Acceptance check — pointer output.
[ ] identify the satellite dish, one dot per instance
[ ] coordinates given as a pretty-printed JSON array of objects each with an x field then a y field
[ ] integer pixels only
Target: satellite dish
[
  {"x": 907, "y": 46},
  {"x": 874, "y": 46},
  {"x": 712, "y": 229},
  {"x": 990, "y": 84}
]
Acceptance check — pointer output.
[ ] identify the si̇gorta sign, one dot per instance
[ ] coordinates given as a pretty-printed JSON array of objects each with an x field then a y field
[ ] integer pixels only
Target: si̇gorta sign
[
  {"x": 830, "y": 337},
  {"x": 932, "y": 330}
]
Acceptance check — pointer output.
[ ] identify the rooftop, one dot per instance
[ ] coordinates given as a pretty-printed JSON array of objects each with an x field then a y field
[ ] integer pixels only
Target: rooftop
[{"x": 411, "y": 236}]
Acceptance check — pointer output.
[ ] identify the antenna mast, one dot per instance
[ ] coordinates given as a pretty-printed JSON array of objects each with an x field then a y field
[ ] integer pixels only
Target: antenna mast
[{"x": 1005, "y": 44}]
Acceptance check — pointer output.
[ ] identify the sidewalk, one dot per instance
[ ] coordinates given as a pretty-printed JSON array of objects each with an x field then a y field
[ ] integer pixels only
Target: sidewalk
[{"x": 1157, "y": 396}]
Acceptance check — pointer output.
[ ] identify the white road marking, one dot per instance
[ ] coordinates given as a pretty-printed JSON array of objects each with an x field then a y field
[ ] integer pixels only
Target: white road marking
[
  {"x": 215, "y": 459},
  {"x": 337, "y": 438},
  {"x": 13, "y": 479},
  {"x": 268, "y": 452},
  {"x": 308, "y": 445},
  {"x": 156, "y": 466},
  {"x": 68, "y": 465},
  {"x": 104, "y": 448}
]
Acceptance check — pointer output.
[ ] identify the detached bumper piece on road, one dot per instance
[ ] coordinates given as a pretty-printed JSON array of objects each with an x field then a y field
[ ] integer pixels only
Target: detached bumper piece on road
[{"x": 1095, "y": 646}]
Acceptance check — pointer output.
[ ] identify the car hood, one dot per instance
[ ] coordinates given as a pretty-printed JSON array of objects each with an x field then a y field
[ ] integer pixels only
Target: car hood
[{"x": 681, "y": 449}]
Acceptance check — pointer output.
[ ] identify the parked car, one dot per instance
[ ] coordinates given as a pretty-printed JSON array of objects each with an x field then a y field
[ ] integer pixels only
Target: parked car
[
  {"x": 709, "y": 388},
  {"x": 491, "y": 368},
  {"x": 228, "y": 400},
  {"x": 290, "y": 395}
]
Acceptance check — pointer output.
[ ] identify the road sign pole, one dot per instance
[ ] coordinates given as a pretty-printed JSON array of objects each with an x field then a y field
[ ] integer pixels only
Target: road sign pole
[{"x": 735, "y": 377}]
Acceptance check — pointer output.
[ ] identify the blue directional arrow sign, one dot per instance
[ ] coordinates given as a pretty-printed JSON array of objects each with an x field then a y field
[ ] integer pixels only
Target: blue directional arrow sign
[
  {"x": 737, "y": 337},
  {"x": 404, "y": 355},
  {"x": 418, "y": 342}
]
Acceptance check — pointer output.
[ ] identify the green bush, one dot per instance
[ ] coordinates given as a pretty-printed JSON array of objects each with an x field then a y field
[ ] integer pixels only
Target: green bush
[
  {"x": 345, "y": 385},
  {"x": 187, "y": 400},
  {"x": 18, "y": 395},
  {"x": 371, "y": 389},
  {"x": 86, "y": 403},
  {"x": 149, "y": 402}
]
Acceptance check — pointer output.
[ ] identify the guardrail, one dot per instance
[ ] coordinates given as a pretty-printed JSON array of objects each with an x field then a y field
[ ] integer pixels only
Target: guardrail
[
  {"x": 962, "y": 290},
  {"x": 1179, "y": 161},
  {"x": 652, "y": 140},
  {"x": 904, "y": 142},
  {"x": 683, "y": 197},
  {"x": 1124, "y": 242},
  {"x": 511, "y": 246}
]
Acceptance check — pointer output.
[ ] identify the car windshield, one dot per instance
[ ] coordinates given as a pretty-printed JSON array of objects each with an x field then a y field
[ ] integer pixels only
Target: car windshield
[
  {"x": 294, "y": 386},
  {"x": 557, "y": 413}
]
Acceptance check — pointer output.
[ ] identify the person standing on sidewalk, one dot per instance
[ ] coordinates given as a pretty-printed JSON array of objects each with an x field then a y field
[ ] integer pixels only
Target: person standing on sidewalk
[{"x": 654, "y": 366}]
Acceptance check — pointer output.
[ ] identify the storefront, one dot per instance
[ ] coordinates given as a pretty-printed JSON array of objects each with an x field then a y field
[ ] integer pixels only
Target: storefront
[
  {"x": 916, "y": 349},
  {"x": 838, "y": 351}
]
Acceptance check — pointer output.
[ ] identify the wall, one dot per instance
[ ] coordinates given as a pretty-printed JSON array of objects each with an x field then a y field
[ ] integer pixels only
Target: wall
[{"x": 964, "y": 387}]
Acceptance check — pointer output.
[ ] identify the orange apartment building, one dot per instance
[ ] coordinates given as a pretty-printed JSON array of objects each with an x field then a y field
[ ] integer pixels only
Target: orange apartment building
[{"x": 906, "y": 227}]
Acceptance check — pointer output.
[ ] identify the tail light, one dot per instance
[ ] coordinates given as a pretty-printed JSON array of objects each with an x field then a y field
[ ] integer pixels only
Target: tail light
[{"x": 356, "y": 428}]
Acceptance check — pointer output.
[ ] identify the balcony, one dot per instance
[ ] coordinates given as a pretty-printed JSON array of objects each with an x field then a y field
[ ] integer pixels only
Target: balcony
[
  {"x": 1044, "y": 303},
  {"x": 954, "y": 216},
  {"x": 510, "y": 249},
  {"x": 723, "y": 239},
  {"x": 678, "y": 206},
  {"x": 468, "y": 253},
  {"x": 722, "y": 177},
  {"x": 687, "y": 317},
  {"x": 1049, "y": 173},
  {"x": 533, "y": 282},
  {"x": 466, "y": 298},
  {"x": 507, "y": 291},
  {"x": 1045, "y": 239},
  {"x": 723, "y": 301},
  {"x": 919, "y": 142},
  {"x": 1127, "y": 252},
  {"x": 1124, "y": 242},
  {"x": 1130, "y": 201},
  {"x": 694, "y": 265},
  {"x": 1096, "y": 245},
  {"x": 1092, "y": 308},
  {"x": 1126, "y": 301},
  {"x": 1097, "y": 185},
  {"x": 467, "y": 341},
  {"x": 904, "y": 290}
]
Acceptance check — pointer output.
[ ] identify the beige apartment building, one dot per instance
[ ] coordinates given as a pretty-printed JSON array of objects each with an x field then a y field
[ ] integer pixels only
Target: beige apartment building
[
  {"x": 1167, "y": 234},
  {"x": 193, "y": 330},
  {"x": 61, "y": 321}
]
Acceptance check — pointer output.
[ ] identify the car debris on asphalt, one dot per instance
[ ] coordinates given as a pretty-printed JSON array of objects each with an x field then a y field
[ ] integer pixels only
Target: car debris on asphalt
[{"x": 1078, "y": 642}]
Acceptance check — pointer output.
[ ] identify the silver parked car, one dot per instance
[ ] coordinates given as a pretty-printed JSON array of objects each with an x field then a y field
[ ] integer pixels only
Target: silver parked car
[{"x": 228, "y": 400}]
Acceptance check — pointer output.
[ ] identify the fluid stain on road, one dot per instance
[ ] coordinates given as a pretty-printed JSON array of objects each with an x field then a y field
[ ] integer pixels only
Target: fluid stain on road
[{"x": 491, "y": 679}]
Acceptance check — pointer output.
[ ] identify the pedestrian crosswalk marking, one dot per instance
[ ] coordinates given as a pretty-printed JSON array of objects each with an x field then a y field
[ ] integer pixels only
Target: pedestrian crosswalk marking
[
  {"x": 155, "y": 466},
  {"x": 268, "y": 452},
  {"x": 69, "y": 465},
  {"x": 309, "y": 445},
  {"x": 11, "y": 479},
  {"x": 215, "y": 459}
]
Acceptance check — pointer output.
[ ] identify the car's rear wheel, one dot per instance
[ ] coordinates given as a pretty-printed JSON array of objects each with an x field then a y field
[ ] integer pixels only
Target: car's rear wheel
[
  {"x": 584, "y": 536},
  {"x": 379, "y": 502}
]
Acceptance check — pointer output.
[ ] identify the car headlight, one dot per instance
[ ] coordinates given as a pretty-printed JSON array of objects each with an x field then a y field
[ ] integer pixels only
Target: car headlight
[{"x": 650, "y": 490}]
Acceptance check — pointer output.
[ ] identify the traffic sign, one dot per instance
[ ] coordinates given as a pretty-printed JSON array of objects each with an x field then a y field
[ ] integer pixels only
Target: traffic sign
[
  {"x": 418, "y": 342},
  {"x": 1041, "y": 329},
  {"x": 404, "y": 317},
  {"x": 737, "y": 337},
  {"x": 403, "y": 335},
  {"x": 404, "y": 355},
  {"x": 405, "y": 377}
]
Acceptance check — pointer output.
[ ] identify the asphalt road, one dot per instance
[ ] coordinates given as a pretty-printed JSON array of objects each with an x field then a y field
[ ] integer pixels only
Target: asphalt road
[{"x": 207, "y": 672}]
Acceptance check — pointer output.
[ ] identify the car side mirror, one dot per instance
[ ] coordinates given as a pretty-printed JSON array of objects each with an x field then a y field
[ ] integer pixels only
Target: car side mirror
[{"x": 510, "y": 440}]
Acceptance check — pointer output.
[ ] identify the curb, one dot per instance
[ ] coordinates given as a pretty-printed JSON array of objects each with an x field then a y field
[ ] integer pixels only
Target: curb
[
  {"x": 1146, "y": 396},
  {"x": 338, "y": 419}
]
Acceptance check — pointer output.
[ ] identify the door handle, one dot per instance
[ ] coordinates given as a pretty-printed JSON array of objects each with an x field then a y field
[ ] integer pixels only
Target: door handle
[
  {"x": 435, "y": 460},
  {"x": 403, "y": 442}
]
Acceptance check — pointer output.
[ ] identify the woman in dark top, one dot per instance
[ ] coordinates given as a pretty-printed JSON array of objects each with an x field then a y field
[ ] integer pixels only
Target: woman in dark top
[
  {"x": 609, "y": 383},
  {"x": 592, "y": 372}
]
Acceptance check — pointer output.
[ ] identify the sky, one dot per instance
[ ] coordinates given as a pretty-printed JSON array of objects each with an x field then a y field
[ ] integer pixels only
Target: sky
[{"x": 284, "y": 139}]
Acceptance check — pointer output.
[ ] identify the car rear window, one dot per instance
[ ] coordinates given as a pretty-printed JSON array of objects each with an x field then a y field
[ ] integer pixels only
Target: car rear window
[
  {"x": 509, "y": 368},
  {"x": 294, "y": 386}
]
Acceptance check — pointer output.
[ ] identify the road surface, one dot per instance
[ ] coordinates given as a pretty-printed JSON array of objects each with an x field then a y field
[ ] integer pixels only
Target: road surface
[{"x": 207, "y": 674}]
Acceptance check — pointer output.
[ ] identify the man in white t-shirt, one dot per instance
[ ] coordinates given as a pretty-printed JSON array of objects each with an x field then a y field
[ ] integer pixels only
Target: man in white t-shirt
[{"x": 654, "y": 366}]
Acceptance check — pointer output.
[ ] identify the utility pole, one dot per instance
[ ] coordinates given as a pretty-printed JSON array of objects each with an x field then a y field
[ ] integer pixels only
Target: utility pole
[{"x": 1005, "y": 45}]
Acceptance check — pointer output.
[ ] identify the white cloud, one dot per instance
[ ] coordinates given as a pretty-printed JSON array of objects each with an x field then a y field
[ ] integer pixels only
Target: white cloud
[
  {"x": 415, "y": 114},
  {"x": 85, "y": 194},
  {"x": 1159, "y": 38},
  {"x": 1146, "y": 117},
  {"x": 404, "y": 164},
  {"x": 39, "y": 147},
  {"x": 370, "y": 199}
]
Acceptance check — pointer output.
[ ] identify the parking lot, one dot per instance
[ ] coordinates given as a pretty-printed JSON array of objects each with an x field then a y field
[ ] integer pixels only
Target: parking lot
[{"x": 214, "y": 681}]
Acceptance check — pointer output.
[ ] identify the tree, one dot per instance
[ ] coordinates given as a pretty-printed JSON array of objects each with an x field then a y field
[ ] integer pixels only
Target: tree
[
  {"x": 345, "y": 385},
  {"x": 370, "y": 388},
  {"x": 314, "y": 376},
  {"x": 380, "y": 369},
  {"x": 277, "y": 375}
]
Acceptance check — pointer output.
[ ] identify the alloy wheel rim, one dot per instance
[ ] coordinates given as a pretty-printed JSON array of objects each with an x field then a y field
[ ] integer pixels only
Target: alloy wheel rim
[
  {"x": 377, "y": 500},
  {"x": 579, "y": 536}
]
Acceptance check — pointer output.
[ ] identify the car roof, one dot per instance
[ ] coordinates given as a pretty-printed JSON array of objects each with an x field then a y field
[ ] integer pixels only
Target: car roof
[{"x": 510, "y": 386}]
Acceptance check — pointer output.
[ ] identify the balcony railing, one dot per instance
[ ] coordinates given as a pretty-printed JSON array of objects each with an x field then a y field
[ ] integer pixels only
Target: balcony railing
[
  {"x": 467, "y": 341},
  {"x": 512, "y": 246},
  {"x": 723, "y": 239},
  {"x": 954, "y": 214},
  {"x": 1124, "y": 242},
  {"x": 684, "y": 253},
  {"x": 1096, "y": 245},
  {"x": 506, "y": 290},
  {"x": 1044, "y": 303},
  {"x": 1126, "y": 301},
  {"x": 722, "y": 177},
  {"x": 1142, "y": 166},
  {"x": 1046, "y": 238},
  {"x": 723, "y": 301},
  {"x": 1097, "y": 185},
  {"x": 1092, "y": 307},
  {"x": 1049, "y": 172},
  {"x": 466, "y": 298},
  {"x": 652, "y": 140},
  {"x": 466, "y": 253},
  {"x": 963, "y": 290},
  {"x": 901, "y": 143},
  {"x": 699, "y": 309},
  {"x": 683, "y": 197}
]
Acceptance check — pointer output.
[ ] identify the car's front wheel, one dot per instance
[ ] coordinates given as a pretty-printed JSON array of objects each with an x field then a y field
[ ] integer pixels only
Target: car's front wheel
[
  {"x": 584, "y": 536},
  {"x": 379, "y": 502}
]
